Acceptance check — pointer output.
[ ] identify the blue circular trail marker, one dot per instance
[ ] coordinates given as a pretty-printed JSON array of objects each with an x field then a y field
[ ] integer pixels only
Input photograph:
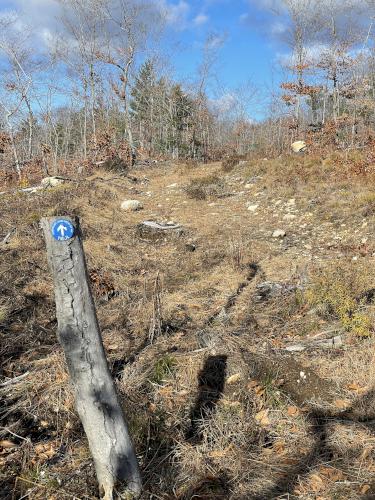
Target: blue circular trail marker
[{"x": 62, "y": 230}]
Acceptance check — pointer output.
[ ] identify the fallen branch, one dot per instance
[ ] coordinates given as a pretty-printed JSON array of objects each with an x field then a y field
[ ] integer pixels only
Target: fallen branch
[
  {"x": 14, "y": 380},
  {"x": 8, "y": 236},
  {"x": 5, "y": 429},
  {"x": 32, "y": 189},
  {"x": 331, "y": 343}
]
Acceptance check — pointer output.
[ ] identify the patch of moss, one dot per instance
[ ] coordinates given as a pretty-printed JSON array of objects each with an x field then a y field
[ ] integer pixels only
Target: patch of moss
[{"x": 164, "y": 368}]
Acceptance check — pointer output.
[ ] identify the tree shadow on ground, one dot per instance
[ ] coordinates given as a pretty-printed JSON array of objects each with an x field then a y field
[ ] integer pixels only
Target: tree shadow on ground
[
  {"x": 361, "y": 411},
  {"x": 211, "y": 381}
]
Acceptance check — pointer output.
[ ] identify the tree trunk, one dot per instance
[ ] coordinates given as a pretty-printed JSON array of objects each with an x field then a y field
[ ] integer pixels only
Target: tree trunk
[{"x": 95, "y": 395}]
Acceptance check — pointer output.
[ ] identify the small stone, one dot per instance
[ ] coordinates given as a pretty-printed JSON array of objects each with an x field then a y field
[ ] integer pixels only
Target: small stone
[
  {"x": 248, "y": 186},
  {"x": 131, "y": 205},
  {"x": 279, "y": 233},
  {"x": 289, "y": 216},
  {"x": 233, "y": 379},
  {"x": 172, "y": 185},
  {"x": 295, "y": 348},
  {"x": 190, "y": 247},
  {"x": 291, "y": 202},
  {"x": 51, "y": 182},
  {"x": 252, "y": 208}
]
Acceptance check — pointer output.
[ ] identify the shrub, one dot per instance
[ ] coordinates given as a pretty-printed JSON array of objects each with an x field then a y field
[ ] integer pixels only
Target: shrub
[
  {"x": 191, "y": 163},
  {"x": 230, "y": 163},
  {"x": 336, "y": 292},
  {"x": 201, "y": 188},
  {"x": 366, "y": 203}
]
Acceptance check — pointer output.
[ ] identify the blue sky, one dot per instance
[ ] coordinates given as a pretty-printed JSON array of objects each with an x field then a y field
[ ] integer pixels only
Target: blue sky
[
  {"x": 246, "y": 31},
  {"x": 246, "y": 54},
  {"x": 242, "y": 30}
]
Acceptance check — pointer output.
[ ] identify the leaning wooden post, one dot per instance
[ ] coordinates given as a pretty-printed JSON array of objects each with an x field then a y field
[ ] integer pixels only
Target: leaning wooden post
[{"x": 78, "y": 330}]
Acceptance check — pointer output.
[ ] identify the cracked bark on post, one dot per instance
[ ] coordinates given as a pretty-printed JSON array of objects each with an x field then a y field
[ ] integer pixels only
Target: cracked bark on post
[{"x": 95, "y": 395}]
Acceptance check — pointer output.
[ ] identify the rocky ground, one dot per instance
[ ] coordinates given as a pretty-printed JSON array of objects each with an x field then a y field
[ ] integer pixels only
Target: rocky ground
[{"x": 240, "y": 334}]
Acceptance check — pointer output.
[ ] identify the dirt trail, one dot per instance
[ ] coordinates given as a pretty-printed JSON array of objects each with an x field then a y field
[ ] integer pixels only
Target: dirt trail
[{"x": 204, "y": 423}]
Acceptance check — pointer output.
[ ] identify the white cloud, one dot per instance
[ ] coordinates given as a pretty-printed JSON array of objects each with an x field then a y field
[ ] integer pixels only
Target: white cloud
[
  {"x": 215, "y": 41},
  {"x": 174, "y": 14},
  {"x": 278, "y": 28},
  {"x": 200, "y": 19},
  {"x": 312, "y": 53},
  {"x": 43, "y": 16},
  {"x": 224, "y": 103}
]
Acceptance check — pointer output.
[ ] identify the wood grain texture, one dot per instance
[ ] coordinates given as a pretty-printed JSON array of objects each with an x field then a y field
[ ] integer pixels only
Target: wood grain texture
[{"x": 96, "y": 399}]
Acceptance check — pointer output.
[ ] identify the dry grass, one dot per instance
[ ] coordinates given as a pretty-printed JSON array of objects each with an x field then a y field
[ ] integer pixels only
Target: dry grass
[{"x": 202, "y": 425}]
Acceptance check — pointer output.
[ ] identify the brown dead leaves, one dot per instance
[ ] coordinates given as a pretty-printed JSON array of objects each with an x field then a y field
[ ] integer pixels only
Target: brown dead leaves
[
  {"x": 262, "y": 418},
  {"x": 318, "y": 481},
  {"x": 44, "y": 452},
  {"x": 357, "y": 388},
  {"x": 293, "y": 411},
  {"x": 342, "y": 404},
  {"x": 5, "y": 444}
]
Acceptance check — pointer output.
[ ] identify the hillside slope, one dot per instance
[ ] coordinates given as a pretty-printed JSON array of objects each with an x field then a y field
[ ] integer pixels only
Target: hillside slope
[{"x": 258, "y": 381}]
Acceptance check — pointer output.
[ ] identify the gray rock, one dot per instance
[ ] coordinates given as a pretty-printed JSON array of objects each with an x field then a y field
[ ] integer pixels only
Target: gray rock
[
  {"x": 156, "y": 231},
  {"x": 48, "y": 182},
  {"x": 190, "y": 247},
  {"x": 131, "y": 205},
  {"x": 279, "y": 233},
  {"x": 289, "y": 216},
  {"x": 270, "y": 289}
]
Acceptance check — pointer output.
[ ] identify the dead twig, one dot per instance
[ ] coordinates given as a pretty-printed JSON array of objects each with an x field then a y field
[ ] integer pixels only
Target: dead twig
[
  {"x": 6, "y": 239},
  {"x": 14, "y": 380}
]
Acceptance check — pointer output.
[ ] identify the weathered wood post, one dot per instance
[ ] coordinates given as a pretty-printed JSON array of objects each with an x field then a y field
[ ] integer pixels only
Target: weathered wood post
[{"x": 78, "y": 330}]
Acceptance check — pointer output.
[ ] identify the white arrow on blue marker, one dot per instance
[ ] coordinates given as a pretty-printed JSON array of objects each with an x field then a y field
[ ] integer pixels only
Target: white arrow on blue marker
[{"x": 62, "y": 230}]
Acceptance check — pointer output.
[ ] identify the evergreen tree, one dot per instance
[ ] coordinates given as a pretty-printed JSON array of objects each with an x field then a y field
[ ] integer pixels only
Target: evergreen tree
[
  {"x": 142, "y": 105},
  {"x": 180, "y": 119}
]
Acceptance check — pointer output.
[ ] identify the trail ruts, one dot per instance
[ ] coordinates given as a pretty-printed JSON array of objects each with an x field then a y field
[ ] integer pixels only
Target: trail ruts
[{"x": 254, "y": 268}]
